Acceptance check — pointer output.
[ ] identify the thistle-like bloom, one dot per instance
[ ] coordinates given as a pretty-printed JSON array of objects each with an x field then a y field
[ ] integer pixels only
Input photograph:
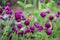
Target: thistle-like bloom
[
  {"x": 2, "y": 26},
  {"x": 40, "y": 28},
  {"x": 8, "y": 3},
  {"x": 48, "y": 32},
  {"x": 51, "y": 17},
  {"x": 41, "y": 1},
  {"x": 23, "y": 32},
  {"x": 13, "y": 29},
  {"x": 43, "y": 14},
  {"x": 17, "y": 15},
  {"x": 57, "y": 15},
  {"x": 47, "y": 25},
  {"x": 32, "y": 28},
  {"x": 27, "y": 22},
  {"x": 18, "y": 20},
  {"x": 58, "y": 3},
  {"x": 9, "y": 12},
  {"x": 19, "y": 26},
  {"x": 36, "y": 25},
  {"x": 28, "y": 30},
  {"x": 1, "y": 10}
]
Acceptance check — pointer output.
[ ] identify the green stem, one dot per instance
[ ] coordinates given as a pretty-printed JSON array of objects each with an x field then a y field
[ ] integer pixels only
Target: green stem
[{"x": 35, "y": 4}]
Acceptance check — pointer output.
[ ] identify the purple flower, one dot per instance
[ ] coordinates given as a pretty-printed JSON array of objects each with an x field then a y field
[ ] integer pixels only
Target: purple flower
[
  {"x": 23, "y": 18},
  {"x": 3, "y": 26},
  {"x": 18, "y": 20},
  {"x": 6, "y": 8},
  {"x": 48, "y": 32},
  {"x": 36, "y": 25},
  {"x": 40, "y": 28},
  {"x": 58, "y": 3},
  {"x": 43, "y": 14},
  {"x": 8, "y": 3},
  {"x": 32, "y": 28},
  {"x": 1, "y": 10},
  {"x": 57, "y": 15},
  {"x": 41, "y": 1},
  {"x": 9, "y": 12},
  {"x": 13, "y": 28},
  {"x": 48, "y": 12},
  {"x": 17, "y": 15},
  {"x": 9, "y": 17},
  {"x": 27, "y": 22},
  {"x": 28, "y": 30},
  {"x": 51, "y": 17},
  {"x": 23, "y": 32},
  {"x": 47, "y": 25},
  {"x": 19, "y": 26}
]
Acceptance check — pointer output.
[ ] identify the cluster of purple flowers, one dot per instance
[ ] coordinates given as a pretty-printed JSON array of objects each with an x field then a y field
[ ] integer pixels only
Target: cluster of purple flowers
[{"x": 19, "y": 16}]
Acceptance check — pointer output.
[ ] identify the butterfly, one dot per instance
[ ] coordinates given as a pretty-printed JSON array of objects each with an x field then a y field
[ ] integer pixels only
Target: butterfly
[{"x": 29, "y": 17}]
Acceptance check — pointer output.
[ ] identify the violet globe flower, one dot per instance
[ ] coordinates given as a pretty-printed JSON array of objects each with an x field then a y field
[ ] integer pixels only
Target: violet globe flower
[
  {"x": 18, "y": 20},
  {"x": 57, "y": 15},
  {"x": 1, "y": 10},
  {"x": 9, "y": 12},
  {"x": 27, "y": 22},
  {"x": 40, "y": 28},
  {"x": 48, "y": 32},
  {"x": 41, "y": 1},
  {"x": 9, "y": 17},
  {"x": 28, "y": 30},
  {"x": 2, "y": 26},
  {"x": 51, "y": 17},
  {"x": 58, "y": 3},
  {"x": 17, "y": 15},
  {"x": 6, "y": 8},
  {"x": 23, "y": 32},
  {"x": 32, "y": 28},
  {"x": 8, "y": 3},
  {"x": 47, "y": 25},
  {"x": 19, "y": 26},
  {"x": 36, "y": 25},
  {"x": 13, "y": 28},
  {"x": 43, "y": 14}
]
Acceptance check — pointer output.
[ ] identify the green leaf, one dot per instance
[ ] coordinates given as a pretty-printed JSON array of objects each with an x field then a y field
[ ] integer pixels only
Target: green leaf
[
  {"x": 29, "y": 5},
  {"x": 1, "y": 21}
]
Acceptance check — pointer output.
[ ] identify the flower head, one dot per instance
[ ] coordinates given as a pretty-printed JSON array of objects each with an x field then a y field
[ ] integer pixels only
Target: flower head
[
  {"x": 17, "y": 15},
  {"x": 19, "y": 26},
  {"x": 9, "y": 12},
  {"x": 28, "y": 30},
  {"x": 13, "y": 28},
  {"x": 58, "y": 3},
  {"x": 40, "y": 28},
  {"x": 47, "y": 24},
  {"x": 43, "y": 14},
  {"x": 51, "y": 17},
  {"x": 8, "y": 3},
  {"x": 1, "y": 10},
  {"x": 48, "y": 32},
  {"x": 41, "y": 1},
  {"x": 36, "y": 25},
  {"x": 27, "y": 22},
  {"x": 32, "y": 28}
]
